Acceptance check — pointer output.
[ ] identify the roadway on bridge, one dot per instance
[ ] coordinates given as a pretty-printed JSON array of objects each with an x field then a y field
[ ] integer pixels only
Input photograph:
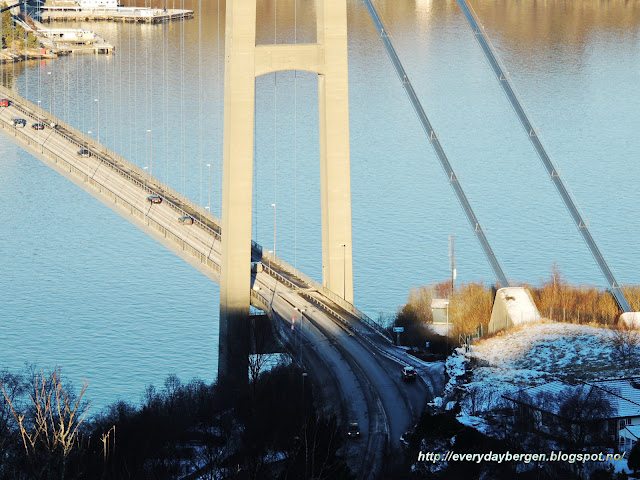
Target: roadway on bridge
[{"x": 353, "y": 367}]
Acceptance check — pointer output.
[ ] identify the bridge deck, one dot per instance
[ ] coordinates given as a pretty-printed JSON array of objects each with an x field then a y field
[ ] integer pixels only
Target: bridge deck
[{"x": 364, "y": 366}]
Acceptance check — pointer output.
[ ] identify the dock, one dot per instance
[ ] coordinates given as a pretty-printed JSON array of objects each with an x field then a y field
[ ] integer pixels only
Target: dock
[
  {"x": 65, "y": 41},
  {"x": 76, "y": 13},
  {"x": 74, "y": 40}
]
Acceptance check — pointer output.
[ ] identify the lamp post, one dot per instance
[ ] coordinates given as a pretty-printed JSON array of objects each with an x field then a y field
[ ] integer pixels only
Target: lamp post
[
  {"x": 274, "y": 228},
  {"x": 98, "y": 102},
  {"x": 344, "y": 267},
  {"x": 209, "y": 202},
  {"x": 301, "y": 310},
  {"x": 447, "y": 353},
  {"x": 39, "y": 113},
  {"x": 150, "y": 151},
  {"x": 50, "y": 88}
]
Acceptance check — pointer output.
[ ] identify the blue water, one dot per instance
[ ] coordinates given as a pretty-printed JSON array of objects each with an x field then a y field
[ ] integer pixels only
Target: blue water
[{"x": 82, "y": 288}]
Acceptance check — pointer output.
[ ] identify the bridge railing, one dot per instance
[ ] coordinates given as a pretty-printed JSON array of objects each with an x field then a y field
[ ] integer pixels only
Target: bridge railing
[
  {"x": 168, "y": 233},
  {"x": 127, "y": 169}
]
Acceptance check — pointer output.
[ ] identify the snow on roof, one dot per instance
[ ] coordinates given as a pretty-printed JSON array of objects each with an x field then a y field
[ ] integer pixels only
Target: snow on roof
[
  {"x": 549, "y": 396},
  {"x": 439, "y": 303},
  {"x": 627, "y": 388},
  {"x": 633, "y": 430}
]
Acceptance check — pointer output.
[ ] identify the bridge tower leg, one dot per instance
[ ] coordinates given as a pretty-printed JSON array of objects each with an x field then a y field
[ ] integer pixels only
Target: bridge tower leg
[
  {"x": 335, "y": 167},
  {"x": 244, "y": 62}
]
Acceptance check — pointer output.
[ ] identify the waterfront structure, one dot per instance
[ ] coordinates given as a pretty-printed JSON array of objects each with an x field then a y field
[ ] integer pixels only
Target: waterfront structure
[{"x": 96, "y": 10}]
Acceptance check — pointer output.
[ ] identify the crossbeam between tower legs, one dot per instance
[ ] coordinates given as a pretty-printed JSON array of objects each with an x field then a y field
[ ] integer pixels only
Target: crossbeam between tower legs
[{"x": 245, "y": 61}]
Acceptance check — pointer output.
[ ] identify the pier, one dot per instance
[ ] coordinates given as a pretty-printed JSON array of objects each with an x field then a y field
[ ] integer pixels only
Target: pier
[
  {"x": 119, "y": 14},
  {"x": 64, "y": 41}
]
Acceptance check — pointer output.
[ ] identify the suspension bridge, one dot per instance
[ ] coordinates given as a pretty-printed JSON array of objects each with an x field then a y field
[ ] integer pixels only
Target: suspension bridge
[{"x": 345, "y": 350}]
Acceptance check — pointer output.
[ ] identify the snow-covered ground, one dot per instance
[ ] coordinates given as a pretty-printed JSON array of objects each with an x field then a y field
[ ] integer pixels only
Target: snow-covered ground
[{"x": 532, "y": 354}]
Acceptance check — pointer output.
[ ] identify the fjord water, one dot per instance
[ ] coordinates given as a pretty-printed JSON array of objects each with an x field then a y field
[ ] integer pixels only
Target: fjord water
[{"x": 82, "y": 288}]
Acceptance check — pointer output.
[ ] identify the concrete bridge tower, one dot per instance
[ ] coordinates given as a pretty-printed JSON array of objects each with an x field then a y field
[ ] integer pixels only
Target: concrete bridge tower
[{"x": 244, "y": 62}]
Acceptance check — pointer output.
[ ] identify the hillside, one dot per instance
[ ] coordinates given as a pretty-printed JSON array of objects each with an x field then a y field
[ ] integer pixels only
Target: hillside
[{"x": 533, "y": 354}]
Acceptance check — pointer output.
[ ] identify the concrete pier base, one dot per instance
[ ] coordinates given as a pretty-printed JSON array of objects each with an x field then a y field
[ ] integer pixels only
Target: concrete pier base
[{"x": 512, "y": 306}]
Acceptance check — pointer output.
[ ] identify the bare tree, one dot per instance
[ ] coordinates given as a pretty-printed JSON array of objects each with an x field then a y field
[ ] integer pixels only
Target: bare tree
[
  {"x": 582, "y": 410},
  {"x": 258, "y": 338},
  {"x": 625, "y": 340},
  {"x": 49, "y": 429}
]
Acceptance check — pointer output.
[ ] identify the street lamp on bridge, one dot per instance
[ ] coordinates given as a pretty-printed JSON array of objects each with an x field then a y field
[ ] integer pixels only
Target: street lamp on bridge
[
  {"x": 98, "y": 102},
  {"x": 274, "y": 228},
  {"x": 344, "y": 267},
  {"x": 299, "y": 336},
  {"x": 209, "y": 202},
  {"x": 150, "y": 151},
  {"x": 50, "y": 88}
]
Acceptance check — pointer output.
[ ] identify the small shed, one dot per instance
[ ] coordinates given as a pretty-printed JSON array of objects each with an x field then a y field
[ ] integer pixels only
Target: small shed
[
  {"x": 440, "y": 310},
  {"x": 512, "y": 306}
]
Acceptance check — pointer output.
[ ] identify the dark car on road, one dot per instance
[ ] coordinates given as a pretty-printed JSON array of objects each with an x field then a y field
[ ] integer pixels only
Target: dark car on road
[
  {"x": 38, "y": 126},
  {"x": 354, "y": 430},
  {"x": 155, "y": 198},
  {"x": 83, "y": 152},
  {"x": 19, "y": 122},
  {"x": 186, "y": 220},
  {"x": 409, "y": 374}
]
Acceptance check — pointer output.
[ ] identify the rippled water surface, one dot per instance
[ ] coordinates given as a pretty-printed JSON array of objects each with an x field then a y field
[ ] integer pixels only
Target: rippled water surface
[{"x": 82, "y": 288}]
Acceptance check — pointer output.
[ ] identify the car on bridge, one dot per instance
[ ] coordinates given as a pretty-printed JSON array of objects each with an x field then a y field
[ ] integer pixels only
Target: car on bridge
[
  {"x": 155, "y": 198},
  {"x": 19, "y": 122},
  {"x": 186, "y": 220},
  {"x": 354, "y": 430},
  {"x": 83, "y": 152},
  {"x": 409, "y": 374},
  {"x": 4, "y": 102},
  {"x": 38, "y": 126}
]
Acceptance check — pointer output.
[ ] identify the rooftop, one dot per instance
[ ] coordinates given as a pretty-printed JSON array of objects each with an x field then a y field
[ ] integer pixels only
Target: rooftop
[{"x": 620, "y": 397}]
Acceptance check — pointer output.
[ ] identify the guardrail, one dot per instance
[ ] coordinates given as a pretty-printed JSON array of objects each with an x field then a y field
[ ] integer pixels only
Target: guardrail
[
  {"x": 127, "y": 169},
  {"x": 168, "y": 233}
]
